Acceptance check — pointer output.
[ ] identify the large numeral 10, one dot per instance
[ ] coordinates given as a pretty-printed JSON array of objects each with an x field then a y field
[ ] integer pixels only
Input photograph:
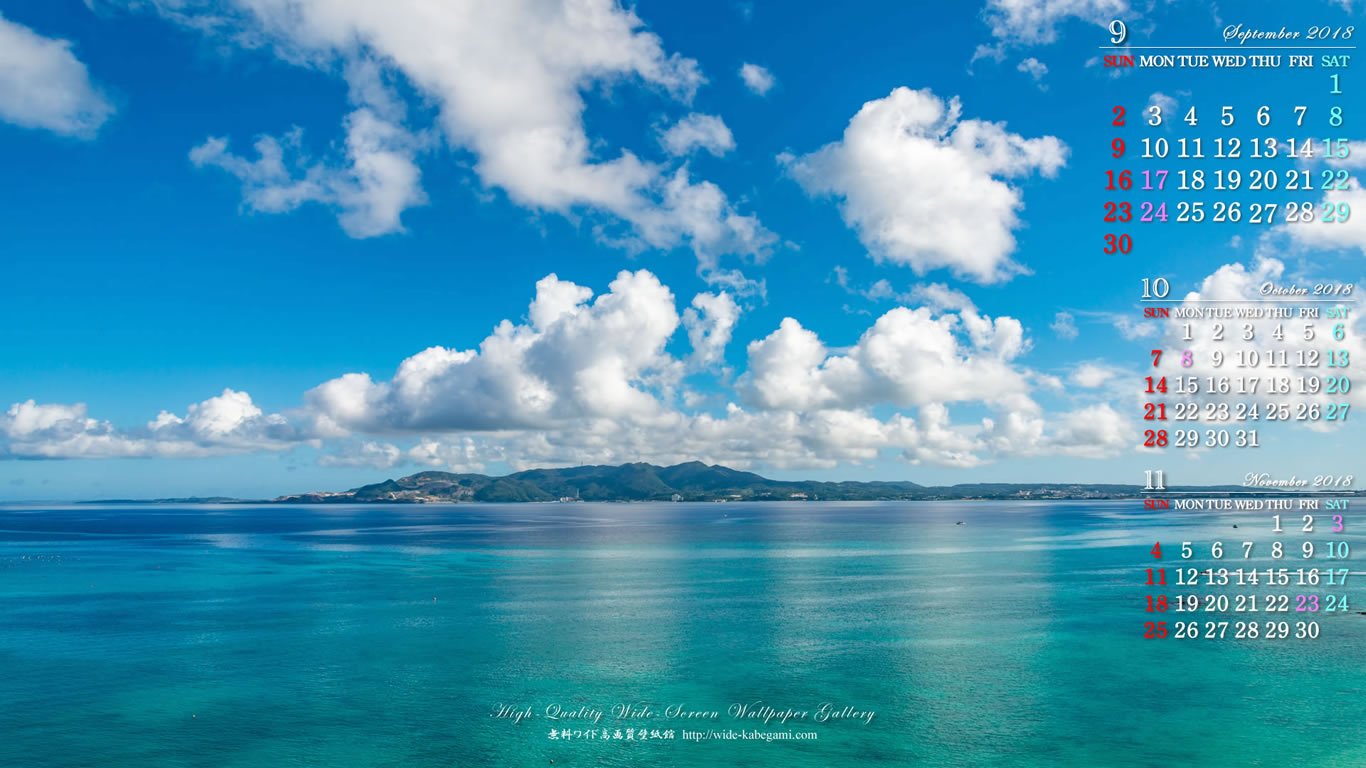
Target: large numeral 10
[{"x": 1156, "y": 288}]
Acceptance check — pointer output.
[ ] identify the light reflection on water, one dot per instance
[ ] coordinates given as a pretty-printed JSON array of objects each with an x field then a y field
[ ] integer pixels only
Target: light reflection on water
[{"x": 378, "y": 634}]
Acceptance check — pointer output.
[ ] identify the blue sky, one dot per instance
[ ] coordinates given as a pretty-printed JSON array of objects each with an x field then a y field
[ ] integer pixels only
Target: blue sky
[{"x": 850, "y": 263}]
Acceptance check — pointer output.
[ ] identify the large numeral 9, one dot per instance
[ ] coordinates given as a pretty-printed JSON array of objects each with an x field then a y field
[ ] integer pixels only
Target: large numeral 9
[{"x": 1118, "y": 32}]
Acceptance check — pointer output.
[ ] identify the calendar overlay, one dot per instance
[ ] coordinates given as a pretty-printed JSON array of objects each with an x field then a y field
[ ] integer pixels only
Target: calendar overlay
[{"x": 1231, "y": 372}]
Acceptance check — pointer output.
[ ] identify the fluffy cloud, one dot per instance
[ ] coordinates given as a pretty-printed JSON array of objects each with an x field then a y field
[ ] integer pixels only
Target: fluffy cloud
[
  {"x": 757, "y": 78},
  {"x": 909, "y": 357},
  {"x": 590, "y": 379},
  {"x": 1065, "y": 326},
  {"x": 1035, "y": 69},
  {"x": 43, "y": 85},
  {"x": 923, "y": 187},
  {"x": 461, "y": 455},
  {"x": 736, "y": 437},
  {"x": 507, "y": 80},
  {"x": 574, "y": 360},
  {"x": 1092, "y": 375},
  {"x": 996, "y": 53},
  {"x": 710, "y": 321},
  {"x": 1319, "y": 233},
  {"x": 370, "y": 453},
  {"x": 1036, "y": 21},
  {"x": 747, "y": 438},
  {"x": 228, "y": 423},
  {"x": 51, "y": 431},
  {"x": 1097, "y": 427},
  {"x": 697, "y": 131},
  {"x": 925, "y": 358},
  {"x": 378, "y": 182}
]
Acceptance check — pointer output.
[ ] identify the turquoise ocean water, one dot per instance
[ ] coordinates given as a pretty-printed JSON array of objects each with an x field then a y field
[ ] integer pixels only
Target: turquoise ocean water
[{"x": 273, "y": 637}]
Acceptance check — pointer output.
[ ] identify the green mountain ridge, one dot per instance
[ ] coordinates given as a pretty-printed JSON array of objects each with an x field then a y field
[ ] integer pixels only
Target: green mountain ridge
[{"x": 691, "y": 481}]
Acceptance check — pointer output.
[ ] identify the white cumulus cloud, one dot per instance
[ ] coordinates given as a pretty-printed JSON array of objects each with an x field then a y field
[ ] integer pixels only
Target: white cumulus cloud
[
  {"x": 758, "y": 79},
  {"x": 370, "y": 453},
  {"x": 379, "y": 180},
  {"x": 697, "y": 131},
  {"x": 590, "y": 379},
  {"x": 43, "y": 85},
  {"x": 925, "y": 188},
  {"x": 506, "y": 80},
  {"x": 710, "y": 321},
  {"x": 1036, "y": 21},
  {"x": 1335, "y": 232},
  {"x": 576, "y": 359},
  {"x": 1065, "y": 325},
  {"x": 1093, "y": 375},
  {"x": 1035, "y": 69},
  {"x": 226, "y": 424},
  {"x": 909, "y": 357}
]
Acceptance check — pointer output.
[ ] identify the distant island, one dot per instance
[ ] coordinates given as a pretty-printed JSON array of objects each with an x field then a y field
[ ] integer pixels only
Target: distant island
[{"x": 692, "y": 481}]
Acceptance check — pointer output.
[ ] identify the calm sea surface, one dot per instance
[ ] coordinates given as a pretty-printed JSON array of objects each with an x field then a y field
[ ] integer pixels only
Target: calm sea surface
[{"x": 273, "y": 637}]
